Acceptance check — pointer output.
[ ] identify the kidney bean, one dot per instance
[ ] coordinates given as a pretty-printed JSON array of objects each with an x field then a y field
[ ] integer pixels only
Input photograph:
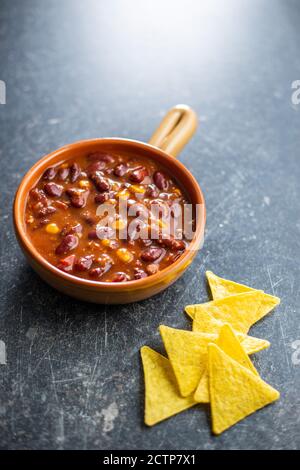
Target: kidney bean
[
  {"x": 50, "y": 210},
  {"x": 160, "y": 180},
  {"x": 63, "y": 173},
  {"x": 79, "y": 200},
  {"x": 152, "y": 192},
  {"x": 39, "y": 196},
  {"x": 96, "y": 272},
  {"x": 92, "y": 235},
  {"x": 152, "y": 269},
  {"x": 89, "y": 218},
  {"x": 50, "y": 173},
  {"x": 139, "y": 273},
  {"x": 138, "y": 174},
  {"x": 83, "y": 263},
  {"x": 120, "y": 169},
  {"x": 101, "y": 198},
  {"x": 172, "y": 243},
  {"x": 68, "y": 243},
  {"x": 105, "y": 157},
  {"x": 41, "y": 211},
  {"x": 151, "y": 254},
  {"x": 66, "y": 264},
  {"x": 101, "y": 184},
  {"x": 74, "y": 172},
  {"x": 53, "y": 189},
  {"x": 69, "y": 229},
  {"x": 78, "y": 197},
  {"x": 61, "y": 205},
  {"x": 120, "y": 277},
  {"x": 44, "y": 221},
  {"x": 95, "y": 166}
]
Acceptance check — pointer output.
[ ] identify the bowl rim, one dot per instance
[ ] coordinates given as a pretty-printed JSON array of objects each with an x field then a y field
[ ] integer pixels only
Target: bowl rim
[{"x": 38, "y": 167}]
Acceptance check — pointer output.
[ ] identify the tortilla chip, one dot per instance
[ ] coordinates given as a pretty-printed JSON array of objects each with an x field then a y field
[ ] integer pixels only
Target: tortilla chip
[
  {"x": 230, "y": 344},
  {"x": 251, "y": 344},
  {"x": 202, "y": 391},
  {"x": 206, "y": 323},
  {"x": 241, "y": 311},
  {"x": 221, "y": 288},
  {"x": 235, "y": 392},
  {"x": 162, "y": 398},
  {"x": 187, "y": 352}
]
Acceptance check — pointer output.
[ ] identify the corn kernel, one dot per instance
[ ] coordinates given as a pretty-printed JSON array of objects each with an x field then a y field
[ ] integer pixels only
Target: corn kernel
[
  {"x": 135, "y": 188},
  {"x": 115, "y": 187},
  {"x": 124, "y": 194},
  {"x": 85, "y": 184},
  {"x": 118, "y": 224},
  {"x": 113, "y": 202},
  {"x": 105, "y": 242},
  {"x": 52, "y": 228},
  {"x": 124, "y": 255}
]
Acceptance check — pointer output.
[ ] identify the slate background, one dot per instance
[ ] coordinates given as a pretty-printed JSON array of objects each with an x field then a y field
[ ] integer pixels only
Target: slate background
[{"x": 76, "y": 70}]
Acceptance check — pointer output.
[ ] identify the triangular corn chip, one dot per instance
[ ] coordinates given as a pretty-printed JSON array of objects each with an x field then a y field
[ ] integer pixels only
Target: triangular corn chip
[
  {"x": 223, "y": 287},
  {"x": 241, "y": 311},
  {"x": 235, "y": 392},
  {"x": 206, "y": 323},
  {"x": 251, "y": 344},
  {"x": 162, "y": 398},
  {"x": 187, "y": 352},
  {"x": 202, "y": 391},
  {"x": 230, "y": 344}
]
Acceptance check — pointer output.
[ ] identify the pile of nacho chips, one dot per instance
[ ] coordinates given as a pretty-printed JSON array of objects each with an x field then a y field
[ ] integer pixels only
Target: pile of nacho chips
[{"x": 211, "y": 363}]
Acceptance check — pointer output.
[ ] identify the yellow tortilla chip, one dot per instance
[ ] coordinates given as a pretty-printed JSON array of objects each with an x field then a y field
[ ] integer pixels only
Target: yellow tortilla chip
[
  {"x": 251, "y": 344},
  {"x": 235, "y": 392},
  {"x": 187, "y": 352},
  {"x": 230, "y": 344},
  {"x": 202, "y": 391},
  {"x": 223, "y": 287},
  {"x": 206, "y": 323},
  {"x": 162, "y": 398},
  {"x": 241, "y": 311}
]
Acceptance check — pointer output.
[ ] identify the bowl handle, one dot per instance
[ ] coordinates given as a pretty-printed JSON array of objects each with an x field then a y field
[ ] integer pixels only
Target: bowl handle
[{"x": 175, "y": 130}]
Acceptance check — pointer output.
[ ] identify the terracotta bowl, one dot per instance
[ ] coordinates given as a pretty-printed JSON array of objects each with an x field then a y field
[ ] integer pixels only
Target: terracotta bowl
[{"x": 175, "y": 130}]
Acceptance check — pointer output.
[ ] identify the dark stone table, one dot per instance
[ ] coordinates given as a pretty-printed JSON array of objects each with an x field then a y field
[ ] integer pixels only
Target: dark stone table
[{"x": 76, "y": 70}]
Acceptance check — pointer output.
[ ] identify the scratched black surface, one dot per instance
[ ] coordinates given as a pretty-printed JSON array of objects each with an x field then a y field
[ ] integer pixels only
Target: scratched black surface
[{"x": 76, "y": 70}]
